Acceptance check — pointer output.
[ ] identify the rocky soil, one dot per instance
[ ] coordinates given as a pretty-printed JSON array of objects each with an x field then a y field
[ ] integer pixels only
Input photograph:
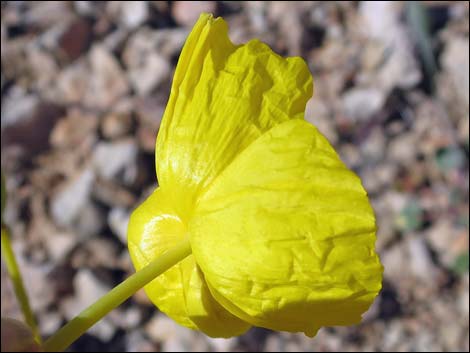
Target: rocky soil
[{"x": 83, "y": 88}]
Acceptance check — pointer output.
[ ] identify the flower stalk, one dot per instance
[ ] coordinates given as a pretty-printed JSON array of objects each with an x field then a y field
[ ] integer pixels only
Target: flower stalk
[
  {"x": 14, "y": 272},
  {"x": 65, "y": 336}
]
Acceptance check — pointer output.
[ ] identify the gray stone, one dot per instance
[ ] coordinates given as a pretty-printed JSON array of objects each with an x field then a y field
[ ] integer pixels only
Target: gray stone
[
  {"x": 59, "y": 245},
  {"x": 133, "y": 13},
  {"x": 138, "y": 342},
  {"x": 49, "y": 322},
  {"x": 116, "y": 160},
  {"x": 116, "y": 124},
  {"x": 90, "y": 221},
  {"x": 174, "y": 337},
  {"x": 421, "y": 264},
  {"x": 18, "y": 108},
  {"x": 222, "y": 344},
  {"x": 360, "y": 104},
  {"x": 147, "y": 66},
  {"x": 401, "y": 148},
  {"x": 67, "y": 204},
  {"x": 107, "y": 80},
  {"x": 382, "y": 22}
]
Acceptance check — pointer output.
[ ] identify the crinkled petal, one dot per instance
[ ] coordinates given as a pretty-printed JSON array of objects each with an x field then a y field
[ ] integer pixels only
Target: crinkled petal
[
  {"x": 181, "y": 292},
  {"x": 223, "y": 98},
  {"x": 285, "y": 235}
]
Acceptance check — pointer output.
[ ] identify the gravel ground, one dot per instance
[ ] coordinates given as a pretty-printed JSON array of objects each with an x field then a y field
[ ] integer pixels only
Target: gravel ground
[{"x": 84, "y": 85}]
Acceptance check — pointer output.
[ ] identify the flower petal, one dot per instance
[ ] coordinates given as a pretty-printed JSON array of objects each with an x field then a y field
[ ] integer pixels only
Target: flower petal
[
  {"x": 181, "y": 292},
  {"x": 294, "y": 234},
  {"x": 222, "y": 99}
]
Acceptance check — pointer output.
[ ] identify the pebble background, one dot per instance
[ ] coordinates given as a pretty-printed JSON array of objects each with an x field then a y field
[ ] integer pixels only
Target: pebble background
[{"x": 83, "y": 88}]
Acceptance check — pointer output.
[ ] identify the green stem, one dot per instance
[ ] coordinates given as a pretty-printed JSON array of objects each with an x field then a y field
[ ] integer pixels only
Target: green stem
[
  {"x": 88, "y": 317},
  {"x": 15, "y": 275}
]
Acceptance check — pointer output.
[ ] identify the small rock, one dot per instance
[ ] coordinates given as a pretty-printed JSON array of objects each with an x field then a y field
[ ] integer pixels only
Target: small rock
[
  {"x": 174, "y": 337},
  {"x": 67, "y": 204},
  {"x": 421, "y": 264},
  {"x": 165, "y": 42},
  {"x": 116, "y": 125},
  {"x": 138, "y": 342},
  {"x": 424, "y": 341},
  {"x": 48, "y": 14},
  {"x": 153, "y": 69},
  {"x": 75, "y": 129},
  {"x": 451, "y": 332},
  {"x": 160, "y": 328},
  {"x": 118, "y": 219},
  {"x": 90, "y": 220},
  {"x": 186, "y": 13},
  {"x": 444, "y": 238},
  {"x": 395, "y": 201},
  {"x": 394, "y": 334},
  {"x": 85, "y": 8},
  {"x": 116, "y": 160},
  {"x": 373, "y": 148},
  {"x": 395, "y": 262},
  {"x": 96, "y": 252},
  {"x": 147, "y": 66},
  {"x": 76, "y": 39},
  {"x": 49, "y": 322},
  {"x": 400, "y": 148},
  {"x": 222, "y": 344},
  {"x": 133, "y": 13},
  {"x": 72, "y": 83},
  {"x": 382, "y": 22},
  {"x": 59, "y": 245},
  {"x": 43, "y": 70},
  {"x": 18, "y": 108},
  {"x": 27, "y": 123},
  {"x": 360, "y": 104},
  {"x": 107, "y": 82},
  {"x": 274, "y": 343}
]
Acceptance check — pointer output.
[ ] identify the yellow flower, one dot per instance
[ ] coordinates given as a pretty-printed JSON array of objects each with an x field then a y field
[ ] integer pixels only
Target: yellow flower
[{"x": 282, "y": 233}]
